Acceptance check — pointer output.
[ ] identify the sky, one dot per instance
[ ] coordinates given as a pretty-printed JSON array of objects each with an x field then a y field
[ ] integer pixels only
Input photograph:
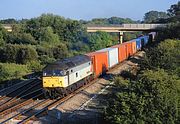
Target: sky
[{"x": 82, "y": 9}]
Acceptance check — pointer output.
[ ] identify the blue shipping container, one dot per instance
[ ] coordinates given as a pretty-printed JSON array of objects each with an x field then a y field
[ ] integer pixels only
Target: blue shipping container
[
  {"x": 146, "y": 38},
  {"x": 138, "y": 43}
]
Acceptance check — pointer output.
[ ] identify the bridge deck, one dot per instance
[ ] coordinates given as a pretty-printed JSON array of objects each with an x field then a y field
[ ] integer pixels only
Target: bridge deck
[{"x": 125, "y": 27}]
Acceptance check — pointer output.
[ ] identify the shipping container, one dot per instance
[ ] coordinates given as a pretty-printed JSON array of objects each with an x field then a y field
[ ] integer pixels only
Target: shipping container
[
  {"x": 138, "y": 43},
  {"x": 129, "y": 51},
  {"x": 112, "y": 56},
  {"x": 144, "y": 40},
  {"x": 99, "y": 62},
  {"x": 121, "y": 52},
  {"x": 133, "y": 46}
]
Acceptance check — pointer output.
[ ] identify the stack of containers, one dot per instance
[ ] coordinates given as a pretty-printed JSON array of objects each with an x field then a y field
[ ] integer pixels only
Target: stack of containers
[
  {"x": 99, "y": 62},
  {"x": 121, "y": 52},
  {"x": 112, "y": 56}
]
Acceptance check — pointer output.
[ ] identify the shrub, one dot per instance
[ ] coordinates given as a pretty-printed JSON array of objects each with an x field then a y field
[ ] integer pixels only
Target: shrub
[
  {"x": 34, "y": 66},
  {"x": 10, "y": 71},
  {"x": 154, "y": 98}
]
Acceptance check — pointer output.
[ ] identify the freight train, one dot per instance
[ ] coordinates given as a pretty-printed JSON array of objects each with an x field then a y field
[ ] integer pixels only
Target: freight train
[{"x": 64, "y": 76}]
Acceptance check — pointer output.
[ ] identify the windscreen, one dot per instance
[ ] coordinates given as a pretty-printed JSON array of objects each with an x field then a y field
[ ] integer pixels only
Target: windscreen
[{"x": 53, "y": 73}]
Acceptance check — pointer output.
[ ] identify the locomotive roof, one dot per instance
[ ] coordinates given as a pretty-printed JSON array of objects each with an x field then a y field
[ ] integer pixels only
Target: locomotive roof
[{"x": 68, "y": 63}]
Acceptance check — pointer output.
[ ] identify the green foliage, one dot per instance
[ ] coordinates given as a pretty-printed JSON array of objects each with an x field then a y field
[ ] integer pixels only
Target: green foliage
[
  {"x": 2, "y": 42},
  {"x": 8, "y": 21},
  {"x": 127, "y": 36},
  {"x": 26, "y": 54},
  {"x": 174, "y": 12},
  {"x": 153, "y": 16},
  {"x": 153, "y": 98},
  {"x": 60, "y": 51},
  {"x": 2, "y": 35},
  {"x": 166, "y": 55},
  {"x": 117, "y": 20},
  {"x": 44, "y": 50},
  {"x": 46, "y": 59},
  {"x": 47, "y": 35},
  {"x": 34, "y": 66},
  {"x": 20, "y": 38},
  {"x": 99, "y": 40},
  {"x": 10, "y": 71},
  {"x": 112, "y": 20},
  {"x": 17, "y": 54},
  {"x": 9, "y": 53},
  {"x": 172, "y": 31}
]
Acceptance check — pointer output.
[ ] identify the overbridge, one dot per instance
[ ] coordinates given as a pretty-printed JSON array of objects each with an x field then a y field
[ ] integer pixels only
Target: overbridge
[{"x": 120, "y": 29}]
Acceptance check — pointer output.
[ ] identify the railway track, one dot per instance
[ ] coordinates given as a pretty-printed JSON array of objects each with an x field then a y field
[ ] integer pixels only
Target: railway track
[
  {"x": 50, "y": 105},
  {"x": 9, "y": 89},
  {"x": 17, "y": 103},
  {"x": 5, "y": 93},
  {"x": 25, "y": 93},
  {"x": 19, "y": 93}
]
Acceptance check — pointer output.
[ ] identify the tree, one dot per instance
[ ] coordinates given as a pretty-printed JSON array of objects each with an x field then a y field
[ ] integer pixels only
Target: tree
[
  {"x": 2, "y": 36},
  {"x": 9, "y": 21},
  {"x": 152, "y": 98},
  {"x": 153, "y": 16},
  {"x": 47, "y": 35},
  {"x": 174, "y": 12},
  {"x": 9, "y": 53},
  {"x": 99, "y": 40},
  {"x": 117, "y": 20},
  {"x": 2, "y": 42},
  {"x": 60, "y": 51},
  {"x": 165, "y": 55},
  {"x": 26, "y": 54}
]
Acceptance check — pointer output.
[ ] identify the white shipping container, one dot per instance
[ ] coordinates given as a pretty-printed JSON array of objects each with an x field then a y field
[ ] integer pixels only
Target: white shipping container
[{"x": 112, "y": 56}]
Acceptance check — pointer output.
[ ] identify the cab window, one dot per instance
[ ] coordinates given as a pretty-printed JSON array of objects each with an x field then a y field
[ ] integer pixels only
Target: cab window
[
  {"x": 58, "y": 73},
  {"x": 53, "y": 73}
]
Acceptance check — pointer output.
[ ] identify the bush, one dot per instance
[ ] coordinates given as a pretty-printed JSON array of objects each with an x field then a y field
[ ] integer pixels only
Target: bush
[
  {"x": 60, "y": 51},
  {"x": 10, "y": 71},
  {"x": 18, "y": 54},
  {"x": 46, "y": 59},
  {"x": 154, "y": 98},
  {"x": 34, "y": 66},
  {"x": 26, "y": 54},
  {"x": 165, "y": 55}
]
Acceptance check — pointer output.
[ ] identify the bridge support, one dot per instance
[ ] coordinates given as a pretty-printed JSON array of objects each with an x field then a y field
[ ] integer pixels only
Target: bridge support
[{"x": 120, "y": 37}]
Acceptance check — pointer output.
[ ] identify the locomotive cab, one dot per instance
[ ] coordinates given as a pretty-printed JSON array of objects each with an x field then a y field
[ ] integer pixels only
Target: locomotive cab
[
  {"x": 66, "y": 74},
  {"x": 53, "y": 78}
]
